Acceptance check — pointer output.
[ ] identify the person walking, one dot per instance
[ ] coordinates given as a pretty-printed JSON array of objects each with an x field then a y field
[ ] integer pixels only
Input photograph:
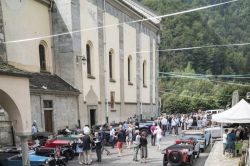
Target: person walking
[
  {"x": 119, "y": 142},
  {"x": 136, "y": 144},
  {"x": 103, "y": 140},
  {"x": 129, "y": 133},
  {"x": 79, "y": 149},
  {"x": 164, "y": 123},
  {"x": 112, "y": 136},
  {"x": 86, "y": 142},
  {"x": 144, "y": 148},
  {"x": 153, "y": 135},
  {"x": 158, "y": 133},
  {"x": 225, "y": 141},
  {"x": 98, "y": 147}
]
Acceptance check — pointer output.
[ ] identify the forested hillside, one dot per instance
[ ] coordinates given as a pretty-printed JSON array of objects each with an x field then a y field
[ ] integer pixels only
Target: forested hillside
[{"x": 184, "y": 90}]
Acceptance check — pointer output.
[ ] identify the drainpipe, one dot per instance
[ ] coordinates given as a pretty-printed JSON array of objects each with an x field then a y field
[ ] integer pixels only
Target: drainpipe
[
  {"x": 52, "y": 40},
  {"x": 105, "y": 64}
]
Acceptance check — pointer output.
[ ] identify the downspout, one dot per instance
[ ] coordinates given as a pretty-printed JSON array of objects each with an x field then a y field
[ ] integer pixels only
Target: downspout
[{"x": 52, "y": 40}]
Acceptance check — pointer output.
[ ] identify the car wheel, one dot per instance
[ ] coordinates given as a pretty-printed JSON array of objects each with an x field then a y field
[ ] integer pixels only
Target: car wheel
[
  {"x": 175, "y": 157},
  {"x": 145, "y": 130},
  {"x": 165, "y": 160},
  {"x": 202, "y": 150},
  {"x": 191, "y": 162}
]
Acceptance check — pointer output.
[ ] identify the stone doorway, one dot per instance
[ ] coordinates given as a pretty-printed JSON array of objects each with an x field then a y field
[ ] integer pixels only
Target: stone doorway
[
  {"x": 48, "y": 118},
  {"x": 92, "y": 117}
]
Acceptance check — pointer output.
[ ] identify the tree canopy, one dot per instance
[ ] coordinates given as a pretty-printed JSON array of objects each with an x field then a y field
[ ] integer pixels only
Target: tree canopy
[{"x": 221, "y": 25}]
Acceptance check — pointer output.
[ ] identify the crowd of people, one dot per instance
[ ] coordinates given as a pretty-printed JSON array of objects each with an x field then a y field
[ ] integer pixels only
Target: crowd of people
[
  {"x": 128, "y": 132},
  {"x": 230, "y": 137}
]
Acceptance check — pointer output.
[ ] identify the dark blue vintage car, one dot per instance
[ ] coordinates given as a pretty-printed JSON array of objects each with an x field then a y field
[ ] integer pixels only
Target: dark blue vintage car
[{"x": 13, "y": 159}]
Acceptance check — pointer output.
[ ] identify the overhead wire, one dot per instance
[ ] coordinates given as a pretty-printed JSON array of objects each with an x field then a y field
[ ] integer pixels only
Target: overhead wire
[{"x": 112, "y": 25}]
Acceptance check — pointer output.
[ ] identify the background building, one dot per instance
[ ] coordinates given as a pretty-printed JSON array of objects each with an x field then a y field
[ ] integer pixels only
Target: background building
[{"x": 91, "y": 73}]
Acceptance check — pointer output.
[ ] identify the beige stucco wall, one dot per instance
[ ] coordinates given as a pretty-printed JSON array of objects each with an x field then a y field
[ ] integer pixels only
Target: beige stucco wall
[
  {"x": 112, "y": 42},
  {"x": 64, "y": 109},
  {"x": 129, "y": 50},
  {"x": 20, "y": 22},
  {"x": 15, "y": 99},
  {"x": 89, "y": 20},
  {"x": 145, "y": 56}
]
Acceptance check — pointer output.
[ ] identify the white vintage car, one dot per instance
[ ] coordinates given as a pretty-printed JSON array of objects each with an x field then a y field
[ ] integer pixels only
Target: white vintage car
[{"x": 214, "y": 131}]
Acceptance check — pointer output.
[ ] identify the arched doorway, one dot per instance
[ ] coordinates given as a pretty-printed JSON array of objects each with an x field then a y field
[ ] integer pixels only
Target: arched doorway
[
  {"x": 15, "y": 100},
  {"x": 10, "y": 107}
]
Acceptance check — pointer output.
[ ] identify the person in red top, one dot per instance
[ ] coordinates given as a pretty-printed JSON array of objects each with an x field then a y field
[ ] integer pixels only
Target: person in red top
[{"x": 153, "y": 135}]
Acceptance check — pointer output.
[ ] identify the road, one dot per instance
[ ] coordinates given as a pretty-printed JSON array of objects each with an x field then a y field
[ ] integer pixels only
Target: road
[{"x": 154, "y": 156}]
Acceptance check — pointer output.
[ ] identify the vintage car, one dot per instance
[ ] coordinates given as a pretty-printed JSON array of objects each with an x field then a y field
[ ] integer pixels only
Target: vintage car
[
  {"x": 179, "y": 154},
  {"x": 190, "y": 141},
  {"x": 54, "y": 143},
  {"x": 145, "y": 126},
  {"x": 68, "y": 153},
  {"x": 15, "y": 159},
  {"x": 70, "y": 137},
  {"x": 202, "y": 137},
  {"x": 42, "y": 137}
]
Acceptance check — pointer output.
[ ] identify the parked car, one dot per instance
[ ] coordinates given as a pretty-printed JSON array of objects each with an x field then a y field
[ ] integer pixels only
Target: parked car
[
  {"x": 42, "y": 137},
  {"x": 14, "y": 159},
  {"x": 67, "y": 152},
  {"x": 179, "y": 154},
  {"x": 54, "y": 143},
  {"x": 202, "y": 137},
  {"x": 214, "y": 131},
  {"x": 190, "y": 141},
  {"x": 145, "y": 126}
]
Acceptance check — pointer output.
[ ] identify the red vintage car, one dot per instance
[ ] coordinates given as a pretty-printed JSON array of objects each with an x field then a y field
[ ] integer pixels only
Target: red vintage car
[{"x": 57, "y": 143}]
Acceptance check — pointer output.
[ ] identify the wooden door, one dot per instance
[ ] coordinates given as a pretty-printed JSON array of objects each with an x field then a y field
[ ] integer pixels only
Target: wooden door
[
  {"x": 48, "y": 118},
  {"x": 92, "y": 117}
]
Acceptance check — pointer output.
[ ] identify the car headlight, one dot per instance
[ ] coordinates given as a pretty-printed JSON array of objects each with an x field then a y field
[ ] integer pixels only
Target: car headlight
[
  {"x": 47, "y": 161},
  {"x": 202, "y": 141}
]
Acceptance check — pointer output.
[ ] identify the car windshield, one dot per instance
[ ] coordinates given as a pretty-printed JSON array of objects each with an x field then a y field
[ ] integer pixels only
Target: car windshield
[{"x": 197, "y": 136}]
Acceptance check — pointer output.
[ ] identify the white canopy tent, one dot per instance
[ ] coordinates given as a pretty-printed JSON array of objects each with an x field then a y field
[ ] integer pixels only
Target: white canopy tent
[{"x": 239, "y": 113}]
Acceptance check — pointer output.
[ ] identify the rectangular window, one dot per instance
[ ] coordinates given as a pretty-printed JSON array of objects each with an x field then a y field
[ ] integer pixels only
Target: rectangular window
[
  {"x": 47, "y": 104},
  {"x": 112, "y": 99},
  {"x": 129, "y": 70},
  {"x": 110, "y": 66},
  {"x": 88, "y": 59}
]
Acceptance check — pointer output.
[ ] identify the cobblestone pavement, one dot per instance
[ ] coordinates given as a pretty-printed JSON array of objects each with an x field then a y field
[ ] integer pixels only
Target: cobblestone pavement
[{"x": 155, "y": 156}]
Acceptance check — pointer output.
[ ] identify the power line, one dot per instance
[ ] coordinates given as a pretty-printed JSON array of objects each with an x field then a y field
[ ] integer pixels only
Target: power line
[
  {"x": 205, "y": 79},
  {"x": 111, "y": 25},
  {"x": 240, "y": 76},
  {"x": 199, "y": 98}
]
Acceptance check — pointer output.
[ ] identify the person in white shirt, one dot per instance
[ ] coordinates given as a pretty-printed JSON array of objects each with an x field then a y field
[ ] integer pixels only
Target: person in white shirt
[
  {"x": 199, "y": 123},
  {"x": 158, "y": 133},
  {"x": 225, "y": 141},
  {"x": 164, "y": 123},
  {"x": 189, "y": 123}
]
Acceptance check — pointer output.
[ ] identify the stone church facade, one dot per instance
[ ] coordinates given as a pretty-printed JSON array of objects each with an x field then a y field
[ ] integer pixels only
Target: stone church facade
[{"x": 99, "y": 64}]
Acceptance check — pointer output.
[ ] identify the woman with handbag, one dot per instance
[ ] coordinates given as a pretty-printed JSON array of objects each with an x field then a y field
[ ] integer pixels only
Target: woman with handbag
[{"x": 79, "y": 149}]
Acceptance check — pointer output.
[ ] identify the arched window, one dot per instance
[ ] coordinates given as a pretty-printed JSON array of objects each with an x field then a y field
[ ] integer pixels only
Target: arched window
[
  {"x": 42, "y": 56},
  {"x": 88, "y": 54},
  {"x": 144, "y": 73},
  {"x": 111, "y": 64},
  {"x": 129, "y": 68}
]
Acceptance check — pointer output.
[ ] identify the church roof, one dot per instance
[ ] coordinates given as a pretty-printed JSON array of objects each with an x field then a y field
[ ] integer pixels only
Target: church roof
[
  {"x": 142, "y": 10},
  {"x": 6, "y": 69},
  {"x": 48, "y": 83}
]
